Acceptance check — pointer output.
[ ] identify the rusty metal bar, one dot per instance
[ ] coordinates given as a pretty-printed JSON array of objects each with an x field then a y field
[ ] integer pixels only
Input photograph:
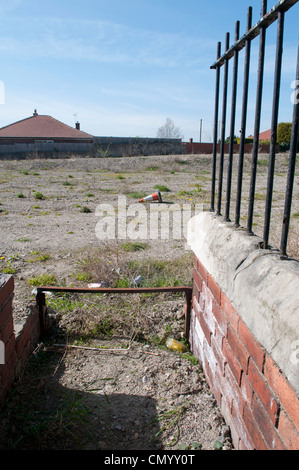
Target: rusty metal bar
[
  {"x": 215, "y": 131},
  {"x": 243, "y": 121},
  {"x": 41, "y": 299},
  {"x": 232, "y": 126},
  {"x": 41, "y": 307},
  {"x": 275, "y": 106},
  {"x": 258, "y": 107},
  {"x": 291, "y": 168},
  {"x": 265, "y": 22},
  {"x": 223, "y": 124}
]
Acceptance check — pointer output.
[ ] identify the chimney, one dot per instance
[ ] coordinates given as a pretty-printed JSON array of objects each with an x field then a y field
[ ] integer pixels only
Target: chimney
[
  {"x": 35, "y": 113},
  {"x": 78, "y": 125}
]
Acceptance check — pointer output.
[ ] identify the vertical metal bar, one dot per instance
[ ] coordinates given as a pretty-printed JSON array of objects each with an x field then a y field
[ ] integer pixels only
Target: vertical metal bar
[
  {"x": 215, "y": 131},
  {"x": 243, "y": 120},
  {"x": 276, "y": 90},
  {"x": 291, "y": 169},
  {"x": 232, "y": 125},
  {"x": 187, "y": 312},
  {"x": 41, "y": 307},
  {"x": 260, "y": 76},
  {"x": 223, "y": 124}
]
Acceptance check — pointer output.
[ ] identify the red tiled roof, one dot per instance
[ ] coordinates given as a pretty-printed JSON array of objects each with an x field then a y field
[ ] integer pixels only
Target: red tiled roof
[
  {"x": 42, "y": 127},
  {"x": 266, "y": 135}
]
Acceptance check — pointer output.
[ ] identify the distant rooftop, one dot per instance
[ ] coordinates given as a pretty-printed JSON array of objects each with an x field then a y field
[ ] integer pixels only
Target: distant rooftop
[{"x": 42, "y": 127}]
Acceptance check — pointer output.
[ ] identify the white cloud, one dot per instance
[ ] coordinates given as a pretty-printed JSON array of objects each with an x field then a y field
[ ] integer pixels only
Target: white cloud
[{"x": 98, "y": 41}]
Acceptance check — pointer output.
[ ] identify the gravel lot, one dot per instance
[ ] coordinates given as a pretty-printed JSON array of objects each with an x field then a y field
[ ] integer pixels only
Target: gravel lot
[{"x": 144, "y": 396}]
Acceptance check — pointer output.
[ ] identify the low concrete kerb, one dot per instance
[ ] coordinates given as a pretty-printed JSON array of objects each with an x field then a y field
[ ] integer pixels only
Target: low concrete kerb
[{"x": 260, "y": 285}]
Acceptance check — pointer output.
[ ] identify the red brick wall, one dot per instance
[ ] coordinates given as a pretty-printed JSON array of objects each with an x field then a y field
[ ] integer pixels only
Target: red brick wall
[
  {"x": 17, "y": 346},
  {"x": 202, "y": 147},
  {"x": 255, "y": 398}
]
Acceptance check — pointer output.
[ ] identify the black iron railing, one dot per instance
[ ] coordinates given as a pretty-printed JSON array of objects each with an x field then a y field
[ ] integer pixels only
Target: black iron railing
[{"x": 277, "y": 13}]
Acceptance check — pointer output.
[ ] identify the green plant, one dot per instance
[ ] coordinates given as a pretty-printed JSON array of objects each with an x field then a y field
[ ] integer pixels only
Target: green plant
[
  {"x": 85, "y": 210},
  {"x": 20, "y": 195},
  {"x": 161, "y": 187},
  {"x": 170, "y": 419},
  {"x": 43, "y": 280},
  {"x": 136, "y": 195},
  {"x": 38, "y": 195},
  {"x": 134, "y": 246}
]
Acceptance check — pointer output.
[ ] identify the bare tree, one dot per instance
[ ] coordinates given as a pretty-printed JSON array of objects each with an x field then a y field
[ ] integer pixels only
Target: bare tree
[{"x": 169, "y": 131}]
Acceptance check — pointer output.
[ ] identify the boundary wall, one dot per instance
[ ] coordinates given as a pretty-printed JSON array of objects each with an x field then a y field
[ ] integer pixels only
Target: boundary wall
[
  {"x": 16, "y": 341},
  {"x": 244, "y": 329}
]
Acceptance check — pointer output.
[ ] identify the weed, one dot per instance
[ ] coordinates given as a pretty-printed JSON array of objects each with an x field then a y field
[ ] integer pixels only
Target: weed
[
  {"x": 85, "y": 210},
  {"x": 134, "y": 246},
  {"x": 185, "y": 193},
  {"x": 9, "y": 270},
  {"x": 169, "y": 420},
  {"x": 161, "y": 187},
  {"x": 38, "y": 195},
  {"x": 43, "y": 280},
  {"x": 20, "y": 195},
  {"x": 136, "y": 195},
  {"x": 43, "y": 257},
  {"x": 89, "y": 195}
]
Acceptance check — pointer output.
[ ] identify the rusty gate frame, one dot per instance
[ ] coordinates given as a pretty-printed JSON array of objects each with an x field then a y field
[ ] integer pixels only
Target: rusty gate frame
[{"x": 42, "y": 306}]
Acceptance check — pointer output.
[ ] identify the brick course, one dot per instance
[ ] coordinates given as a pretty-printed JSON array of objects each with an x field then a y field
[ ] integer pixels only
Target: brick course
[
  {"x": 256, "y": 399},
  {"x": 17, "y": 347}
]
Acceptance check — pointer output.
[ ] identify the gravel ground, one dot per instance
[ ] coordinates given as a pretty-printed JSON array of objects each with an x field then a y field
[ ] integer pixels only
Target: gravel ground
[{"x": 130, "y": 394}]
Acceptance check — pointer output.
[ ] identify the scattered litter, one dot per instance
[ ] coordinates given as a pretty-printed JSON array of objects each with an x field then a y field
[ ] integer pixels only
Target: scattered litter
[
  {"x": 175, "y": 345},
  {"x": 138, "y": 280},
  {"x": 96, "y": 285}
]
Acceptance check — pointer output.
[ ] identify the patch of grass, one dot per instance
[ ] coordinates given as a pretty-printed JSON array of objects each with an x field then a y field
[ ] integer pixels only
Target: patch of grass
[
  {"x": 89, "y": 195},
  {"x": 38, "y": 195},
  {"x": 262, "y": 162},
  {"x": 67, "y": 183},
  {"x": 185, "y": 193},
  {"x": 134, "y": 246},
  {"x": 85, "y": 277},
  {"x": 9, "y": 270},
  {"x": 120, "y": 177},
  {"x": 162, "y": 187},
  {"x": 43, "y": 257},
  {"x": 43, "y": 280},
  {"x": 20, "y": 195},
  {"x": 137, "y": 195},
  {"x": 85, "y": 210},
  {"x": 152, "y": 168}
]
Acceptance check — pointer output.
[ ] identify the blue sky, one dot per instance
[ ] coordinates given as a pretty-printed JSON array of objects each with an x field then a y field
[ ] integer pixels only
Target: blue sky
[{"x": 122, "y": 67}]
